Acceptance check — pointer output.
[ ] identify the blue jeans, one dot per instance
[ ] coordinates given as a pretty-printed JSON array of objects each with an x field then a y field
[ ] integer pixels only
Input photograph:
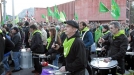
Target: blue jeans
[
  {"x": 55, "y": 62},
  {"x": 16, "y": 59},
  {"x": 5, "y": 64}
]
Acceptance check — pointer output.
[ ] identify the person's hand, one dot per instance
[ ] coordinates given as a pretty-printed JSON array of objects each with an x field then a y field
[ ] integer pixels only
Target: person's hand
[
  {"x": 28, "y": 49},
  {"x": 103, "y": 48},
  {"x": 101, "y": 40},
  {"x": 55, "y": 46},
  {"x": 62, "y": 69},
  {"x": 29, "y": 40},
  {"x": 107, "y": 60},
  {"x": 129, "y": 38}
]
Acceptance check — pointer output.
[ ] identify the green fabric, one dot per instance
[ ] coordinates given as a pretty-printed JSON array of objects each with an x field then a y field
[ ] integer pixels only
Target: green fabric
[
  {"x": 106, "y": 32},
  {"x": 119, "y": 33},
  {"x": 43, "y": 16},
  {"x": 76, "y": 16},
  {"x": 67, "y": 45},
  {"x": 48, "y": 42},
  {"x": 0, "y": 31},
  {"x": 49, "y": 12},
  {"x": 64, "y": 14},
  {"x": 115, "y": 10},
  {"x": 85, "y": 29},
  {"x": 98, "y": 33},
  {"x": 103, "y": 8},
  {"x": 36, "y": 31},
  {"x": 7, "y": 18},
  {"x": 62, "y": 17},
  {"x": 56, "y": 12}
]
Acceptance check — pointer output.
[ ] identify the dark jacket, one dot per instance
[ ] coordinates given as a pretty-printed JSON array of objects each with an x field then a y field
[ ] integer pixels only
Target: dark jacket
[
  {"x": 117, "y": 47},
  {"x": 76, "y": 59},
  {"x": 2, "y": 46},
  {"x": 36, "y": 43},
  {"x": 16, "y": 38},
  {"x": 9, "y": 45},
  {"x": 132, "y": 40}
]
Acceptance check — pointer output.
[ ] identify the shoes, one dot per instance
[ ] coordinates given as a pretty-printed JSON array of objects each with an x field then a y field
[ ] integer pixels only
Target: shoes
[
  {"x": 34, "y": 71},
  {"x": 37, "y": 74},
  {"x": 8, "y": 73},
  {"x": 16, "y": 70}
]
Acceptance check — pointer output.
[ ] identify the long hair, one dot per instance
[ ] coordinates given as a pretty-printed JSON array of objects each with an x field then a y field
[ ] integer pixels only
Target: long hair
[{"x": 53, "y": 33}]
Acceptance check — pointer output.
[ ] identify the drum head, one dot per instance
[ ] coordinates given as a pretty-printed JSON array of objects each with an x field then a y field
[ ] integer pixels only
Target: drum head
[
  {"x": 99, "y": 63},
  {"x": 98, "y": 49}
]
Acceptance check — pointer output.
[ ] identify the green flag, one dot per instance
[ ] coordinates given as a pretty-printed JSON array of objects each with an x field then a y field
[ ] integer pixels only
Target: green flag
[
  {"x": 16, "y": 19},
  {"x": 103, "y": 8},
  {"x": 56, "y": 12},
  {"x": 76, "y": 16},
  {"x": 43, "y": 16},
  {"x": 115, "y": 9},
  {"x": 64, "y": 14},
  {"x": 2, "y": 22},
  {"x": 62, "y": 17},
  {"x": 7, "y": 18},
  {"x": 49, "y": 12},
  {"x": 47, "y": 19}
]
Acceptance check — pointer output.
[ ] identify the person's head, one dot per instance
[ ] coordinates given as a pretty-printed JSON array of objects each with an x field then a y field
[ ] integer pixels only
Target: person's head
[
  {"x": 33, "y": 28},
  {"x": 4, "y": 25},
  {"x": 71, "y": 28},
  {"x": 40, "y": 26},
  {"x": 14, "y": 30},
  {"x": 114, "y": 27},
  {"x": 105, "y": 28},
  {"x": 26, "y": 23},
  {"x": 82, "y": 25},
  {"x": 20, "y": 24},
  {"x": 52, "y": 33}
]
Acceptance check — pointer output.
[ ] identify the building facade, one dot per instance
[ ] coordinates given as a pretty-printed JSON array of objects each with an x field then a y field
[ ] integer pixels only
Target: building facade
[{"x": 88, "y": 10}]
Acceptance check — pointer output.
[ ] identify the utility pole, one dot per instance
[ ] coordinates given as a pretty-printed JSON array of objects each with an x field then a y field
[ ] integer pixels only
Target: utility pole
[
  {"x": 13, "y": 13},
  {"x": 4, "y": 11}
]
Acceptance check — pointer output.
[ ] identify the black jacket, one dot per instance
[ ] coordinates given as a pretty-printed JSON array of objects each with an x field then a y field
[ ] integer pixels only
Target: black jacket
[
  {"x": 132, "y": 40},
  {"x": 117, "y": 47},
  {"x": 9, "y": 45},
  {"x": 2, "y": 46},
  {"x": 36, "y": 43},
  {"x": 16, "y": 38},
  {"x": 76, "y": 59}
]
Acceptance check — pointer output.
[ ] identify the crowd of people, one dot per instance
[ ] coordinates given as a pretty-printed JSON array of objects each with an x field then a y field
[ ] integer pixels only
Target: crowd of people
[{"x": 70, "y": 41}]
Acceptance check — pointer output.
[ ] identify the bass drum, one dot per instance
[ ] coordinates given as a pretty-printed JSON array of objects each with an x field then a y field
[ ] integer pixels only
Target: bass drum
[{"x": 26, "y": 59}]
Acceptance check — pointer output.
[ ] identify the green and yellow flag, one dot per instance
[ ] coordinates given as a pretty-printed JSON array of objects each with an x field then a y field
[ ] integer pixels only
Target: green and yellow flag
[
  {"x": 103, "y": 8},
  {"x": 49, "y": 12},
  {"x": 115, "y": 9},
  {"x": 56, "y": 12},
  {"x": 62, "y": 17}
]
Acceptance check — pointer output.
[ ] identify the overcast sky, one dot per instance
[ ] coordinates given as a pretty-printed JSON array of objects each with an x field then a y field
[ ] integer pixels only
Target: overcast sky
[{"x": 19, "y": 5}]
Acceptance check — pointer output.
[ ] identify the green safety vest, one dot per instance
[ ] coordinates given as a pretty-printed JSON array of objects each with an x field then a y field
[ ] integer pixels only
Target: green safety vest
[{"x": 67, "y": 45}]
